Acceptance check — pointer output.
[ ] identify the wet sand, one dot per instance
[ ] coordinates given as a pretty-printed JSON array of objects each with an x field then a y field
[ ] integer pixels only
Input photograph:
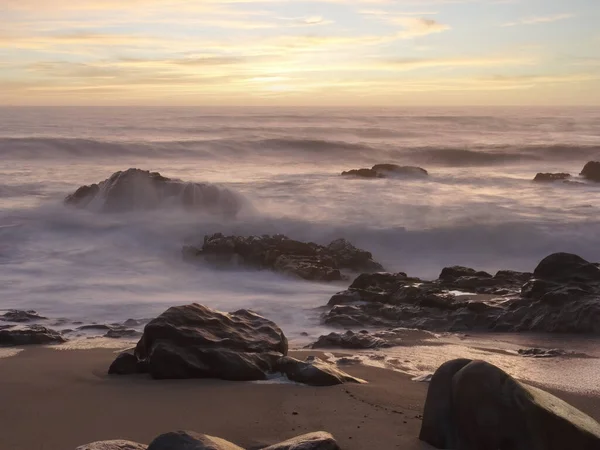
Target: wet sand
[{"x": 57, "y": 400}]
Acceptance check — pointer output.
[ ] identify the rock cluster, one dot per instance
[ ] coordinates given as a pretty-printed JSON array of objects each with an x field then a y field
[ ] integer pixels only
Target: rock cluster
[
  {"x": 136, "y": 189},
  {"x": 188, "y": 440},
  {"x": 591, "y": 172},
  {"x": 309, "y": 261},
  {"x": 473, "y": 405},
  {"x": 387, "y": 170},
  {"x": 194, "y": 341},
  {"x": 560, "y": 296}
]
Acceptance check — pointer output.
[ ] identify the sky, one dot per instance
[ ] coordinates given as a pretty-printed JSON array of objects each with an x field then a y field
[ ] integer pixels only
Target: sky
[{"x": 296, "y": 52}]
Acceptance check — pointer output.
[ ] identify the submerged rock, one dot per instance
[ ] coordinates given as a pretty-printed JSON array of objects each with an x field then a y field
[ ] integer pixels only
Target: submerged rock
[
  {"x": 30, "y": 335},
  {"x": 562, "y": 295},
  {"x": 136, "y": 189},
  {"x": 113, "y": 445},
  {"x": 591, "y": 171},
  {"x": 21, "y": 316},
  {"x": 475, "y": 405},
  {"x": 309, "y": 261},
  {"x": 550, "y": 177},
  {"x": 387, "y": 170}
]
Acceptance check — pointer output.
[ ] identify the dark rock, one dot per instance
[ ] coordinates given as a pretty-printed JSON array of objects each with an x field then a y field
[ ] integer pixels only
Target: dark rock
[
  {"x": 455, "y": 272},
  {"x": 113, "y": 445},
  {"x": 95, "y": 327},
  {"x": 492, "y": 410},
  {"x": 369, "y": 340},
  {"x": 591, "y": 171},
  {"x": 541, "y": 353},
  {"x": 188, "y": 440},
  {"x": 30, "y": 335},
  {"x": 121, "y": 333},
  {"x": 565, "y": 267},
  {"x": 21, "y": 316},
  {"x": 549, "y": 177},
  {"x": 136, "y": 189},
  {"x": 125, "y": 364},
  {"x": 395, "y": 169},
  {"x": 312, "y": 441},
  {"x": 438, "y": 427},
  {"x": 362, "y": 173},
  {"x": 279, "y": 253},
  {"x": 314, "y": 372}
]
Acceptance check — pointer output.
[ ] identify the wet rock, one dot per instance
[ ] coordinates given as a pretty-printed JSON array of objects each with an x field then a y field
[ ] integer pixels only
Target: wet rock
[
  {"x": 591, "y": 171},
  {"x": 135, "y": 189},
  {"x": 18, "y": 316},
  {"x": 30, "y": 335},
  {"x": 281, "y": 254},
  {"x": 550, "y": 177},
  {"x": 455, "y": 272},
  {"x": 351, "y": 340},
  {"x": 95, "y": 327},
  {"x": 113, "y": 445},
  {"x": 188, "y": 440},
  {"x": 493, "y": 410},
  {"x": 312, "y": 441},
  {"x": 362, "y": 173},
  {"x": 125, "y": 364},
  {"x": 314, "y": 372},
  {"x": 121, "y": 333},
  {"x": 541, "y": 353},
  {"x": 386, "y": 171},
  {"x": 566, "y": 267}
]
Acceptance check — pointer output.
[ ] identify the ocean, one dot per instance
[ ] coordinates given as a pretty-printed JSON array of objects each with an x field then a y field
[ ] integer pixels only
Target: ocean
[{"x": 478, "y": 208}]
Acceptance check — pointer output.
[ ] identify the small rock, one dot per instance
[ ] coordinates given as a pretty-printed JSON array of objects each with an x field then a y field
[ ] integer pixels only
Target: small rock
[{"x": 113, "y": 445}]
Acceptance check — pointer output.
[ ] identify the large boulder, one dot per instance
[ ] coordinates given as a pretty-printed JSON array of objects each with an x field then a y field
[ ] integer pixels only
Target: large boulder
[
  {"x": 29, "y": 335},
  {"x": 306, "y": 260},
  {"x": 188, "y": 440},
  {"x": 136, "y": 189},
  {"x": 591, "y": 171},
  {"x": 488, "y": 409},
  {"x": 565, "y": 267},
  {"x": 311, "y": 441},
  {"x": 113, "y": 445}
]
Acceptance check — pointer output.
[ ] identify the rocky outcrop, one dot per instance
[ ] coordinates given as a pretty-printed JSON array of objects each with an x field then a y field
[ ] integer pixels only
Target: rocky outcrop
[
  {"x": 550, "y": 177},
  {"x": 475, "y": 405},
  {"x": 194, "y": 341},
  {"x": 364, "y": 339},
  {"x": 560, "y": 296},
  {"x": 309, "y": 261},
  {"x": 18, "y": 316},
  {"x": 591, "y": 171},
  {"x": 29, "y": 335},
  {"x": 113, "y": 445},
  {"x": 136, "y": 189},
  {"x": 387, "y": 170},
  {"x": 189, "y": 440}
]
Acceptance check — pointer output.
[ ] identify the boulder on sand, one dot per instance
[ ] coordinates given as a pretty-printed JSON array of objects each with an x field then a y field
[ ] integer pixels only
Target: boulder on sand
[
  {"x": 136, "y": 189},
  {"x": 481, "y": 407},
  {"x": 194, "y": 341},
  {"x": 30, "y": 335},
  {"x": 591, "y": 171},
  {"x": 113, "y": 445},
  {"x": 549, "y": 177},
  {"x": 311, "y": 441},
  {"x": 306, "y": 260},
  {"x": 188, "y": 440}
]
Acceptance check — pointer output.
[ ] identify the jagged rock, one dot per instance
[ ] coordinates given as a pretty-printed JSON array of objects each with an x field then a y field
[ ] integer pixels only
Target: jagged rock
[
  {"x": 456, "y": 272},
  {"x": 387, "y": 170},
  {"x": 541, "y": 353},
  {"x": 314, "y": 372},
  {"x": 113, "y": 445},
  {"x": 312, "y": 441},
  {"x": 188, "y": 440},
  {"x": 475, "y": 405},
  {"x": 363, "y": 173},
  {"x": 21, "y": 316},
  {"x": 549, "y": 177},
  {"x": 279, "y": 253},
  {"x": 30, "y": 335},
  {"x": 591, "y": 171},
  {"x": 135, "y": 189},
  {"x": 368, "y": 340}
]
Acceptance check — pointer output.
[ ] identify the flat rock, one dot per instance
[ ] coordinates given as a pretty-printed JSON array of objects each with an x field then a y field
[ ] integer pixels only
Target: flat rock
[
  {"x": 369, "y": 340},
  {"x": 113, "y": 445},
  {"x": 30, "y": 335},
  {"x": 314, "y": 372},
  {"x": 18, "y": 316},
  {"x": 136, "y": 189},
  {"x": 188, "y": 440},
  {"x": 319, "y": 440}
]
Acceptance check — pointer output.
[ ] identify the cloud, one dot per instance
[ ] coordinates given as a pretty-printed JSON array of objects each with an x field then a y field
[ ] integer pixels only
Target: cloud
[
  {"x": 417, "y": 27},
  {"x": 539, "y": 19}
]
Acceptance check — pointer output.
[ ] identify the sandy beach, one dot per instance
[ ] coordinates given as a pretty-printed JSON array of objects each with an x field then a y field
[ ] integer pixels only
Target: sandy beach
[{"x": 57, "y": 400}]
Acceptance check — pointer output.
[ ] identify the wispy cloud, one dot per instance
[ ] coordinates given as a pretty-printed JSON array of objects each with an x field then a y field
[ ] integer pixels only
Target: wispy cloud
[{"x": 539, "y": 19}]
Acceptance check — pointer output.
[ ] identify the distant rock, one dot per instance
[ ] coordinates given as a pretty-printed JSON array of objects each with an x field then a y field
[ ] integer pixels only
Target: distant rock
[
  {"x": 312, "y": 441},
  {"x": 136, "y": 189},
  {"x": 550, "y": 177},
  {"x": 456, "y": 272},
  {"x": 188, "y": 440},
  {"x": 541, "y": 353},
  {"x": 113, "y": 445},
  {"x": 475, "y": 405},
  {"x": 387, "y": 170},
  {"x": 281, "y": 254},
  {"x": 370, "y": 340},
  {"x": 29, "y": 335},
  {"x": 21, "y": 316},
  {"x": 566, "y": 267},
  {"x": 122, "y": 333},
  {"x": 591, "y": 171}
]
